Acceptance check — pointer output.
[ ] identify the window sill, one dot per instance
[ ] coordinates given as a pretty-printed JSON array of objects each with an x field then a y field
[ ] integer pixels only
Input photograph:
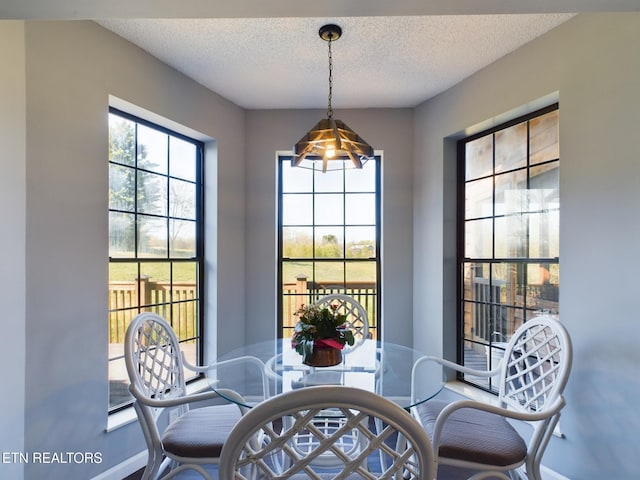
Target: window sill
[{"x": 128, "y": 415}]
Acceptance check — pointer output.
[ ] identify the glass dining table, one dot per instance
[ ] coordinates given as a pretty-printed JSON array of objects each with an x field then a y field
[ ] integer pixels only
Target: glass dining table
[{"x": 252, "y": 373}]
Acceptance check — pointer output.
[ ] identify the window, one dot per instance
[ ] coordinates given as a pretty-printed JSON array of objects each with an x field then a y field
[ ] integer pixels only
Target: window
[
  {"x": 155, "y": 237},
  {"x": 509, "y": 251},
  {"x": 329, "y": 238}
]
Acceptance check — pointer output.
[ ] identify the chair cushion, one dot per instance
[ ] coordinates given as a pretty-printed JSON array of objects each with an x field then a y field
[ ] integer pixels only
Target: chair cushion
[
  {"x": 201, "y": 432},
  {"x": 474, "y": 435}
]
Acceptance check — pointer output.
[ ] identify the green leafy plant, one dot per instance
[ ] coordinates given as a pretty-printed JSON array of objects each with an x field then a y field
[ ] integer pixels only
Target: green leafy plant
[{"x": 320, "y": 327}]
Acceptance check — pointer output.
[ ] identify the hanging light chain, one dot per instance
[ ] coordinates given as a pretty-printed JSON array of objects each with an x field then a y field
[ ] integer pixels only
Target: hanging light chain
[{"x": 330, "y": 108}]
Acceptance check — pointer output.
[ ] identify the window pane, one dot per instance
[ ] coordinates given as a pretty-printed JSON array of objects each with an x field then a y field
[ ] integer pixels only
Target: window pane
[
  {"x": 152, "y": 193},
  {"x": 476, "y": 321},
  {"x": 121, "y": 140},
  {"x": 510, "y": 236},
  {"x": 329, "y": 242},
  {"x": 517, "y": 220},
  {"x": 543, "y": 287},
  {"x": 544, "y": 187},
  {"x": 544, "y": 138},
  {"x": 297, "y": 209},
  {"x": 121, "y": 188},
  {"x": 544, "y": 234},
  {"x": 479, "y": 158},
  {"x": 361, "y": 180},
  {"x": 360, "y": 242},
  {"x": 360, "y": 209},
  {"x": 297, "y": 242},
  {"x": 155, "y": 287},
  {"x": 123, "y": 294},
  {"x": 295, "y": 290},
  {"x": 294, "y": 271},
  {"x": 313, "y": 226},
  {"x": 506, "y": 321},
  {"x": 329, "y": 275},
  {"x": 511, "y": 148},
  {"x": 152, "y": 149},
  {"x": 121, "y": 235},
  {"x": 478, "y": 239},
  {"x": 152, "y": 237},
  {"x": 329, "y": 181},
  {"x": 362, "y": 272},
  {"x": 296, "y": 179},
  {"x": 182, "y": 201},
  {"x": 474, "y": 276},
  {"x": 511, "y": 192},
  {"x": 329, "y": 209},
  {"x": 182, "y": 238},
  {"x": 479, "y": 199},
  {"x": 511, "y": 278},
  {"x": 182, "y": 159},
  {"x": 160, "y": 215},
  {"x": 184, "y": 292}
]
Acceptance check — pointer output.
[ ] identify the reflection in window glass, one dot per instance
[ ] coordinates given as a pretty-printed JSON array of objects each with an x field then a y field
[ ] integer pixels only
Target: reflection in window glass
[
  {"x": 511, "y": 148},
  {"x": 509, "y": 269},
  {"x": 479, "y": 158}
]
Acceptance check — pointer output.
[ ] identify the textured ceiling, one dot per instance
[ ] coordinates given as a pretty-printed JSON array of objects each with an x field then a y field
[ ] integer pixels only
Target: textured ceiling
[
  {"x": 378, "y": 62},
  {"x": 267, "y": 54}
]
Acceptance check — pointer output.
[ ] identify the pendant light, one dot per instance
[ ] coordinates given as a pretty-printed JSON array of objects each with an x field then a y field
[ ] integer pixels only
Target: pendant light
[{"x": 331, "y": 139}]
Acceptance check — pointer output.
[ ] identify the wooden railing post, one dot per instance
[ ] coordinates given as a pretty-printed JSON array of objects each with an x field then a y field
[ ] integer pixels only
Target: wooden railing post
[
  {"x": 301, "y": 290},
  {"x": 144, "y": 292}
]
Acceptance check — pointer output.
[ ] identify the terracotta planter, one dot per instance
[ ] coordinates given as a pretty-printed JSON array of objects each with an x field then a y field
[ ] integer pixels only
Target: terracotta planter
[{"x": 323, "y": 357}]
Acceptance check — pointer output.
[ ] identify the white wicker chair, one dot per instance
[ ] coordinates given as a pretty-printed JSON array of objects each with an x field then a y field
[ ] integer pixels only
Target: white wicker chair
[
  {"x": 260, "y": 446},
  {"x": 532, "y": 376},
  {"x": 155, "y": 367}
]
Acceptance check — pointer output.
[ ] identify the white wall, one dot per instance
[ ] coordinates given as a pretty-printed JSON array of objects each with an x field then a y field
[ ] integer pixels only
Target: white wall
[
  {"x": 71, "y": 69},
  {"x": 388, "y": 130},
  {"x": 12, "y": 242},
  {"x": 591, "y": 64}
]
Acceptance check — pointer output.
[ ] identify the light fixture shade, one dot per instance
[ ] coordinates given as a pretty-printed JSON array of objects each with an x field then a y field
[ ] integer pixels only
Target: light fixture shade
[{"x": 331, "y": 139}]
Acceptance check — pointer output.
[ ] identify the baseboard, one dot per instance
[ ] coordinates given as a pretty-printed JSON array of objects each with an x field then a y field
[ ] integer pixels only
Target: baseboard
[{"x": 124, "y": 469}]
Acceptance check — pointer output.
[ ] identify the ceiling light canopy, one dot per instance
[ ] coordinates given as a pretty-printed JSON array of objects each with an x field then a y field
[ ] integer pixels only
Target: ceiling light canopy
[{"x": 331, "y": 139}]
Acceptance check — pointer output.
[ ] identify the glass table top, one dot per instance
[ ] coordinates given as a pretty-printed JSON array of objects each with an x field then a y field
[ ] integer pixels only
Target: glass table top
[{"x": 261, "y": 370}]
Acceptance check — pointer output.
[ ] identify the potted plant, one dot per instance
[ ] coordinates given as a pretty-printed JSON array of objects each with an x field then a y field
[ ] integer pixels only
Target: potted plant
[{"x": 320, "y": 335}]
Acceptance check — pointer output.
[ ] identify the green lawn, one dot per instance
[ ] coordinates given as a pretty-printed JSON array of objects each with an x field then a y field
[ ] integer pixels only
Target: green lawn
[
  {"x": 157, "y": 272},
  {"x": 330, "y": 271}
]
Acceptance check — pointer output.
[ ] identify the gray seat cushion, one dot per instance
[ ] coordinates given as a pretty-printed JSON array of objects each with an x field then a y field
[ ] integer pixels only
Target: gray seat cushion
[
  {"x": 475, "y": 436},
  {"x": 201, "y": 432}
]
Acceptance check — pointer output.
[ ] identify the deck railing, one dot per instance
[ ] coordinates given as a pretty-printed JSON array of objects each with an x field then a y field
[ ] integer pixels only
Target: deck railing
[
  {"x": 127, "y": 298},
  {"x": 173, "y": 301},
  {"x": 302, "y": 292}
]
